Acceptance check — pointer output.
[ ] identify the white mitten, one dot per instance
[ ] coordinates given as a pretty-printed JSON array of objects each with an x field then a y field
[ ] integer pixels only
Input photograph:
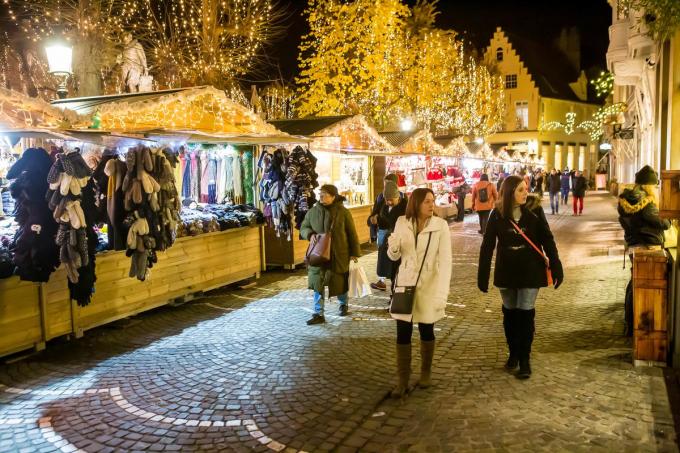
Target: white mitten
[
  {"x": 73, "y": 215},
  {"x": 65, "y": 184},
  {"x": 57, "y": 184},
  {"x": 74, "y": 187}
]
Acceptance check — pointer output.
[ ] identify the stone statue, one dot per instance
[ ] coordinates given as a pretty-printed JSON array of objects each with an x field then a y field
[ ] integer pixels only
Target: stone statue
[{"x": 133, "y": 66}]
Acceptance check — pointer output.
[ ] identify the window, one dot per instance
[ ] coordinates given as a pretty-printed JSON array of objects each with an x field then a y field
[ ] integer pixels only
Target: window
[
  {"x": 499, "y": 54},
  {"x": 510, "y": 81},
  {"x": 522, "y": 115}
]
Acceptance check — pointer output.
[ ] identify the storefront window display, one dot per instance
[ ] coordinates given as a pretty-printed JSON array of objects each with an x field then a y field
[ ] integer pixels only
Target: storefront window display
[{"x": 350, "y": 174}]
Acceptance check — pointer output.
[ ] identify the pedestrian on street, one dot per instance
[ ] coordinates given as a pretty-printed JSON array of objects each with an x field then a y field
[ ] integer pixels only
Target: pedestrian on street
[
  {"x": 538, "y": 188},
  {"x": 393, "y": 207},
  {"x": 554, "y": 191},
  {"x": 372, "y": 221},
  {"x": 329, "y": 215},
  {"x": 461, "y": 192},
  {"x": 484, "y": 197},
  {"x": 639, "y": 217},
  {"x": 520, "y": 268},
  {"x": 579, "y": 192},
  {"x": 420, "y": 240},
  {"x": 565, "y": 185}
]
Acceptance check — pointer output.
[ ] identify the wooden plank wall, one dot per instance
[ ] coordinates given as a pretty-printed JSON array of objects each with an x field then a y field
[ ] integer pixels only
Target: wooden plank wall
[{"x": 20, "y": 321}]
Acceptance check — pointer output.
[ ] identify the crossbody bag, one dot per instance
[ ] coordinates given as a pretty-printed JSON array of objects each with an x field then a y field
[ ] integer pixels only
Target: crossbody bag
[
  {"x": 404, "y": 296},
  {"x": 548, "y": 272}
]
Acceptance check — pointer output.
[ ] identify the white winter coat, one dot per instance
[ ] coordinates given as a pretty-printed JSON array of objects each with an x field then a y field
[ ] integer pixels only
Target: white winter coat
[{"x": 433, "y": 287}]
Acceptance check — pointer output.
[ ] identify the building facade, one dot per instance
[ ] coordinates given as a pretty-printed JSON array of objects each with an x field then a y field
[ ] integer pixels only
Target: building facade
[
  {"x": 546, "y": 100},
  {"x": 647, "y": 80}
]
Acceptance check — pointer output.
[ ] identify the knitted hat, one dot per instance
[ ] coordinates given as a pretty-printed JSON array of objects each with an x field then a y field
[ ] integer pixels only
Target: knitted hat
[
  {"x": 392, "y": 177},
  {"x": 646, "y": 176},
  {"x": 391, "y": 190}
]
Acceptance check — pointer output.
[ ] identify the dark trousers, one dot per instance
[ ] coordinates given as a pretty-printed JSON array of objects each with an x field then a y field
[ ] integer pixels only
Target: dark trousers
[
  {"x": 555, "y": 202},
  {"x": 578, "y": 200},
  {"x": 461, "y": 208},
  {"x": 483, "y": 220},
  {"x": 405, "y": 331}
]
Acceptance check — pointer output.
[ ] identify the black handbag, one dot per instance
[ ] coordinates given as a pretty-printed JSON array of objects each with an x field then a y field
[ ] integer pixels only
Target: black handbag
[{"x": 403, "y": 297}]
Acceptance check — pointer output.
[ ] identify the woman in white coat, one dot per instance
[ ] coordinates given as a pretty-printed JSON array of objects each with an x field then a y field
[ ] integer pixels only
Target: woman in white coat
[{"x": 420, "y": 239}]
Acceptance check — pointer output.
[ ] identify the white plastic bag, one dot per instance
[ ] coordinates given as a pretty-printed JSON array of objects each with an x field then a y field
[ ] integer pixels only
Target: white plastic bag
[{"x": 358, "y": 282}]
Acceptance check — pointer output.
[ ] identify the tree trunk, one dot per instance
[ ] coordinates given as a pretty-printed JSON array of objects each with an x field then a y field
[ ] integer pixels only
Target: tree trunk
[{"x": 86, "y": 70}]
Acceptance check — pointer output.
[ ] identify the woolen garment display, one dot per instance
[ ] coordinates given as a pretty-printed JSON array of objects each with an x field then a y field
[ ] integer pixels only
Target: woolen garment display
[
  {"x": 518, "y": 265},
  {"x": 36, "y": 255},
  {"x": 116, "y": 170},
  {"x": 238, "y": 183},
  {"x": 247, "y": 173},
  {"x": 301, "y": 180},
  {"x": 205, "y": 177},
  {"x": 276, "y": 210}
]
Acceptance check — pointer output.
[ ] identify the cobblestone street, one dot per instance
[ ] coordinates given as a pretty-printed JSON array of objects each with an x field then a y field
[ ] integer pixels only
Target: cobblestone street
[{"x": 239, "y": 370}]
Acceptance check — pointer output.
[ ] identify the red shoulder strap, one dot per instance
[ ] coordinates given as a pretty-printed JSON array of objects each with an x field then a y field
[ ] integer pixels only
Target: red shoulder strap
[{"x": 540, "y": 252}]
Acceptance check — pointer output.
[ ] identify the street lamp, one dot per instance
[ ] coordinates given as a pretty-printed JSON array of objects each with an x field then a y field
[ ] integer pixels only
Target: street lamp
[
  {"x": 59, "y": 57},
  {"x": 406, "y": 124}
]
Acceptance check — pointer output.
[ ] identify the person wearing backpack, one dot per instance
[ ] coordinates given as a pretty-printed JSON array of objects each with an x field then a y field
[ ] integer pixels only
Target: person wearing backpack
[{"x": 484, "y": 197}]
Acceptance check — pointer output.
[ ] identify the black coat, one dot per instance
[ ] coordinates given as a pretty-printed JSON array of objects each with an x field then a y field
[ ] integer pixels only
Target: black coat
[
  {"x": 579, "y": 187},
  {"x": 639, "y": 217},
  {"x": 386, "y": 221},
  {"x": 554, "y": 183},
  {"x": 518, "y": 265}
]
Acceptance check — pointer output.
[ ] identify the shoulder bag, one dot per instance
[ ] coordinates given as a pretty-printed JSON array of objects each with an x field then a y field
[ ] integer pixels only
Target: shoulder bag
[
  {"x": 404, "y": 296},
  {"x": 319, "y": 249},
  {"x": 548, "y": 272}
]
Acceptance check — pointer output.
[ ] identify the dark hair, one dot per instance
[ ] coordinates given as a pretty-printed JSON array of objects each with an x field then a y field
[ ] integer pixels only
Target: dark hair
[
  {"x": 484, "y": 177},
  {"x": 415, "y": 200},
  {"x": 506, "y": 200},
  {"x": 330, "y": 189}
]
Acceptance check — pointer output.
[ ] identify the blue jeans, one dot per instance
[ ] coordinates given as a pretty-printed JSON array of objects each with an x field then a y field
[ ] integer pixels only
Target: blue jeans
[
  {"x": 382, "y": 236},
  {"x": 319, "y": 302},
  {"x": 555, "y": 201},
  {"x": 565, "y": 195},
  {"x": 519, "y": 298}
]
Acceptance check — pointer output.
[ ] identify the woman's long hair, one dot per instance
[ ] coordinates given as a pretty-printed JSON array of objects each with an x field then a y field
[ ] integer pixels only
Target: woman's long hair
[
  {"x": 506, "y": 201},
  {"x": 415, "y": 200}
]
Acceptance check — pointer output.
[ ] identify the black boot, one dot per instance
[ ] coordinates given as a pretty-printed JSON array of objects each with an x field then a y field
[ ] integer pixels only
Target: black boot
[
  {"x": 508, "y": 321},
  {"x": 525, "y": 337},
  {"x": 628, "y": 310}
]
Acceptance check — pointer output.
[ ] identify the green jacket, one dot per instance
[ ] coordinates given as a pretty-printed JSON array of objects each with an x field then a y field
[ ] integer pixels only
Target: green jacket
[{"x": 344, "y": 244}]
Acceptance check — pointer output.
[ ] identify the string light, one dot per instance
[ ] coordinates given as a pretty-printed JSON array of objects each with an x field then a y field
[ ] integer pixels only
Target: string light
[{"x": 604, "y": 84}]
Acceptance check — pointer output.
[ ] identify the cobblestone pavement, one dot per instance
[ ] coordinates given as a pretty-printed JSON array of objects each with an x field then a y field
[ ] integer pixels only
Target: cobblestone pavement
[{"x": 239, "y": 370}]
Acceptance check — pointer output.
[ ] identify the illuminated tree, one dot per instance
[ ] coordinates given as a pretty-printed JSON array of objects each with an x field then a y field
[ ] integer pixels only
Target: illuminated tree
[{"x": 388, "y": 62}]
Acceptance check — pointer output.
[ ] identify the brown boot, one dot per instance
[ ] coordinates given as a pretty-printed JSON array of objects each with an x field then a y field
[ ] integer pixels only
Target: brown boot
[
  {"x": 426, "y": 353},
  {"x": 403, "y": 370}
]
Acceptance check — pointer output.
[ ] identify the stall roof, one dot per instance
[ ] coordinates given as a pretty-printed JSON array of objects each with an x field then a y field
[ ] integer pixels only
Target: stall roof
[
  {"x": 308, "y": 126},
  {"x": 201, "y": 109},
  {"x": 398, "y": 138},
  {"x": 18, "y": 111}
]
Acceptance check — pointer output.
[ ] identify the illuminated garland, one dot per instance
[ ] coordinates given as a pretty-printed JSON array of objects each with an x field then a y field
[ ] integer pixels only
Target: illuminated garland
[
  {"x": 604, "y": 84},
  {"x": 594, "y": 127}
]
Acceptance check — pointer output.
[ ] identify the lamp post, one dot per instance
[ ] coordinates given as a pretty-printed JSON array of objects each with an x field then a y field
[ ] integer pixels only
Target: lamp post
[{"x": 59, "y": 57}]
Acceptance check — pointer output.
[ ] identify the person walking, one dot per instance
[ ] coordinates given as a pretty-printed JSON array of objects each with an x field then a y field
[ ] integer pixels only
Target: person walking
[
  {"x": 422, "y": 242},
  {"x": 642, "y": 226},
  {"x": 579, "y": 192},
  {"x": 538, "y": 188},
  {"x": 330, "y": 216},
  {"x": 372, "y": 221},
  {"x": 393, "y": 207},
  {"x": 518, "y": 222},
  {"x": 554, "y": 191},
  {"x": 565, "y": 184},
  {"x": 484, "y": 197},
  {"x": 461, "y": 192}
]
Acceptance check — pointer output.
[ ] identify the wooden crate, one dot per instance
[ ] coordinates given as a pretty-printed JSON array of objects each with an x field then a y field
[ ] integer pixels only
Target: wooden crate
[
  {"x": 20, "y": 316},
  {"x": 669, "y": 196},
  {"x": 650, "y": 305},
  {"x": 650, "y": 347}
]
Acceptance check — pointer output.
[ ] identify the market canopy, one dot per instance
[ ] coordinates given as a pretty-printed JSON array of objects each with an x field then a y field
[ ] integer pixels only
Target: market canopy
[
  {"x": 18, "y": 111},
  {"x": 343, "y": 133},
  {"x": 197, "y": 110},
  {"x": 413, "y": 142}
]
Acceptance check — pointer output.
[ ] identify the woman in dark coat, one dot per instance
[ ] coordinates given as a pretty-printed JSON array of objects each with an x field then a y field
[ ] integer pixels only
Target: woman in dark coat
[
  {"x": 639, "y": 217},
  {"x": 393, "y": 207},
  {"x": 520, "y": 270},
  {"x": 330, "y": 212}
]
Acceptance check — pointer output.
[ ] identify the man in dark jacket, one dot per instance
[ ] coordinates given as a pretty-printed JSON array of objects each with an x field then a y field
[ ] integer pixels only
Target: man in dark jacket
[
  {"x": 377, "y": 207},
  {"x": 461, "y": 192},
  {"x": 393, "y": 207},
  {"x": 639, "y": 217},
  {"x": 579, "y": 191},
  {"x": 554, "y": 191}
]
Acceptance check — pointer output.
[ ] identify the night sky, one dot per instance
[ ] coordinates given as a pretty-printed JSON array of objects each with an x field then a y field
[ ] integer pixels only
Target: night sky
[{"x": 539, "y": 20}]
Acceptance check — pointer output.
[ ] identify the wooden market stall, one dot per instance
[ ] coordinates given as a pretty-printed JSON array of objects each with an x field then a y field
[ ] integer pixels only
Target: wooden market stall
[
  {"x": 346, "y": 148},
  {"x": 32, "y": 313}
]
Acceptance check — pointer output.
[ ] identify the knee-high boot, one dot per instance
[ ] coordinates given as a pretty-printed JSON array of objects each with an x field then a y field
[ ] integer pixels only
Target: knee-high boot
[
  {"x": 508, "y": 327},
  {"x": 426, "y": 354},
  {"x": 403, "y": 370},
  {"x": 525, "y": 327}
]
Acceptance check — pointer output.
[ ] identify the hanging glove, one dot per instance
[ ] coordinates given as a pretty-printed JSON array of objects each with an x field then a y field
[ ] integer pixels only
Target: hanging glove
[
  {"x": 55, "y": 172},
  {"x": 76, "y": 214},
  {"x": 136, "y": 191},
  {"x": 56, "y": 185},
  {"x": 153, "y": 201},
  {"x": 65, "y": 184},
  {"x": 146, "y": 158},
  {"x": 74, "y": 186},
  {"x": 149, "y": 184}
]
